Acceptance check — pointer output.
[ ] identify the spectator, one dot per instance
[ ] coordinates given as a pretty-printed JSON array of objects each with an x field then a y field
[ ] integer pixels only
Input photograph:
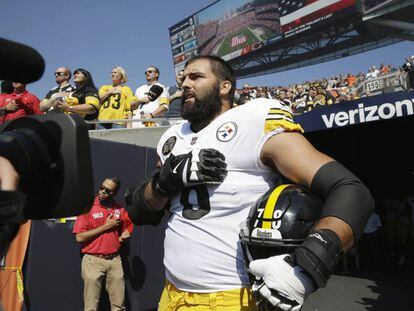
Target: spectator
[
  {"x": 262, "y": 93},
  {"x": 174, "y": 97},
  {"x": 323, "y": 97},
  {"x": 62, "y": 90},
  {"x": 84, "y": 100},
  {"x": 101, "y": 232},
  {"x": 282, "y": 96},
  {"x": 343, "y": 95},
  {"x": 373, "y": 72},
  {"x": 245, "y": 95},
  {"x": 384, "y": 70},
  {"x": 145, "y": 108},
  {"x": 350, "y": 80},
  {"x": 20, "y": 103},
  {"x": 332, "y": 82},
  {"x": 301, "y": 101},
  {"x": 116, "y": 99}
]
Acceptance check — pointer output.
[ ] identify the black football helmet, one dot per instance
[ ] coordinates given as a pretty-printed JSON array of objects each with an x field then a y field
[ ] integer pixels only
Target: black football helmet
[{"x": 279, "y": 221}]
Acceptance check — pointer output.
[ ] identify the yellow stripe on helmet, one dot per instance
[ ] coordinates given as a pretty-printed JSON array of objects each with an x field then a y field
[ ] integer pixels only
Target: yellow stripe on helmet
[{"x": 270, "y": 206}]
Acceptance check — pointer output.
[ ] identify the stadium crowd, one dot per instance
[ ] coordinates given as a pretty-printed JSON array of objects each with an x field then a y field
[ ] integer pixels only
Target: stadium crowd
[
  {"x": 306, "y": 96},
  {"x": 116, "y": 101}
]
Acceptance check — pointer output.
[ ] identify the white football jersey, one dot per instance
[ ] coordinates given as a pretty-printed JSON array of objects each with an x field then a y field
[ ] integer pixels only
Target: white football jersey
[{"x": 202, "y": 248}]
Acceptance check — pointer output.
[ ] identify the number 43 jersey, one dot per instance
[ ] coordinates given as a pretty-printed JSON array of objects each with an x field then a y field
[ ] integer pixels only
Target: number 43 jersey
[{"x": 202, "y": 250}]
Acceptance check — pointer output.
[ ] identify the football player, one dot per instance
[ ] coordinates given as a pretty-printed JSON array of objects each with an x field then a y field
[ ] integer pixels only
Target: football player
[{"x": 211, "y": 171}]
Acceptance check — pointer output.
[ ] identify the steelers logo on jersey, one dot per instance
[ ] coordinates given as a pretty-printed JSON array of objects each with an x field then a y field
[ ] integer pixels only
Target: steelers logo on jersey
[
  {"x": 227, "y": 131},
  {"x": 169, "y": 145}
]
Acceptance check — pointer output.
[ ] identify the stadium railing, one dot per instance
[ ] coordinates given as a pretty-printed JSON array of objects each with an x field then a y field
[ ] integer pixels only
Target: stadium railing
[
  {"x": 393, "y": 82},
  {"x": 158, "y": 121}
]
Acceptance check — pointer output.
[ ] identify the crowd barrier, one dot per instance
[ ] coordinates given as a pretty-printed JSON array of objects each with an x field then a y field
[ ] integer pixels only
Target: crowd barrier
[{"x": 393, "y": 82}]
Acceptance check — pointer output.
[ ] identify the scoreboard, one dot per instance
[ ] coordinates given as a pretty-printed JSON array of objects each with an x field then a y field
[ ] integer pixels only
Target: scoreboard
[{"x": 234, "y": 28}]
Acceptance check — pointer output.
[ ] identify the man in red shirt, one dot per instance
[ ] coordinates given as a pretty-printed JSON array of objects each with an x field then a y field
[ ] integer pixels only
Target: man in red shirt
[
  {"x": 20, "y": 103},
  {"x": 101, "y": 232}
]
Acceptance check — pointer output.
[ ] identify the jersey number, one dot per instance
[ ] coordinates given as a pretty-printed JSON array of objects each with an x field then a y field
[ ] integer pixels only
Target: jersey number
[
  {"x": 194, "y": 212},
  {"x": 114, "y": 100}
]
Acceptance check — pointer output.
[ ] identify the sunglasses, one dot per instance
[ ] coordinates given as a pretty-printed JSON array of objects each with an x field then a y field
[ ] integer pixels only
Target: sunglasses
[
  {"x": 149, "y": 71},
  {"x": 107, "y": 190},
  {"x": 59, "y": 73}
]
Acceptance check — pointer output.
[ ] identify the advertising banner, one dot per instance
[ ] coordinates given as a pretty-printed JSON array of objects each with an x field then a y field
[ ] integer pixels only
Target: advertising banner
[{"x": 364, "y": 110}]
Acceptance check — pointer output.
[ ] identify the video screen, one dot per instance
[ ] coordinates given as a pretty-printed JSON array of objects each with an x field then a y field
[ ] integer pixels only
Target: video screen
[
  {"x": 301, "y": 15},
  {"x": 227, "y": 28},
  {"x": 234, "y": 28}
]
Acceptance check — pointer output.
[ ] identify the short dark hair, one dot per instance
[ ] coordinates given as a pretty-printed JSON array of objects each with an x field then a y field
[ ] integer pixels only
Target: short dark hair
[
  {"x": 157, "y": 70},
  {"x": 221, "y": 69},
  {"x": 116, "y": 181}
]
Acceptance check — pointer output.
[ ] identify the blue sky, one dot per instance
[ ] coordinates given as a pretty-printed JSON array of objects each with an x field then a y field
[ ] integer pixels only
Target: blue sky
[{"x": 99, "y": 34}]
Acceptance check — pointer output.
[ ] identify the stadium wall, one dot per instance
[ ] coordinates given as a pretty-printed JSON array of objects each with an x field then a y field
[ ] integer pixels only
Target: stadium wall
[{"x": 52, "y": 267}]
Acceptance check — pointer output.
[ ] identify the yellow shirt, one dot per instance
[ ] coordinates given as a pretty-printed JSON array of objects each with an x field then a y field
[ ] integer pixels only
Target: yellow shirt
[
  {"x": 115, "y": 106},
  {"x": 84, "y": 96}
]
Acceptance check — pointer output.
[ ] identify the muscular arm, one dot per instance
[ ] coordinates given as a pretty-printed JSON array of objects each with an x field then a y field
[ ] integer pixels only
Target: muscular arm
[{"x": 295, "y": 158}]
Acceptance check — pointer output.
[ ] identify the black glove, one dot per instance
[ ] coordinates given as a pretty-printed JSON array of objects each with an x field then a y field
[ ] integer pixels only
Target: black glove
[{"x": 200, "y": 166}]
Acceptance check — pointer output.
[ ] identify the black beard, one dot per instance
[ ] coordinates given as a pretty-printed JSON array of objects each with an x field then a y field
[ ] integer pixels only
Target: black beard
[{"x": 204, "y": 108}]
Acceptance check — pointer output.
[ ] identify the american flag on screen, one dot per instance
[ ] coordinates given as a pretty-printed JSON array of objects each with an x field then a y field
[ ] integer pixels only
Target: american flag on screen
[
  {"x": 294, "y": 13},
  {"x": 239, "y": 39}
]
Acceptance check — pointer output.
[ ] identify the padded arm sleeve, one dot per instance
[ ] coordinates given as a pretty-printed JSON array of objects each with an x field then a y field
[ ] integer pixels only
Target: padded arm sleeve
[
  {"x": 346, "y": 197},
  {"x": 138, "y": 210}
]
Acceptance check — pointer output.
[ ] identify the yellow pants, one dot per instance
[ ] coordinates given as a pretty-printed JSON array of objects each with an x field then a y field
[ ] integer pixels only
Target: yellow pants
[{"x": 229, "y": 300}]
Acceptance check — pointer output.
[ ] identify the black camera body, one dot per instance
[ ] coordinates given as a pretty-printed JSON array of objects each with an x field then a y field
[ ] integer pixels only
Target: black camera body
[{"x": 51, "y": 154}]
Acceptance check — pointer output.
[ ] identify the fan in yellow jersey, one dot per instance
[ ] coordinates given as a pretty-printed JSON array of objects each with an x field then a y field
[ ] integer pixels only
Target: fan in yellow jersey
[
  {"x": 85, "y": 99},
  {"x": 116, "y": 100}
]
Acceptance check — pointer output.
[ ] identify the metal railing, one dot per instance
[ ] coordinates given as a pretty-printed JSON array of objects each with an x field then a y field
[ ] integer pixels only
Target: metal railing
[
  {"x": 393, "y": 82},
  {"x": 157, "y": 121}
]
